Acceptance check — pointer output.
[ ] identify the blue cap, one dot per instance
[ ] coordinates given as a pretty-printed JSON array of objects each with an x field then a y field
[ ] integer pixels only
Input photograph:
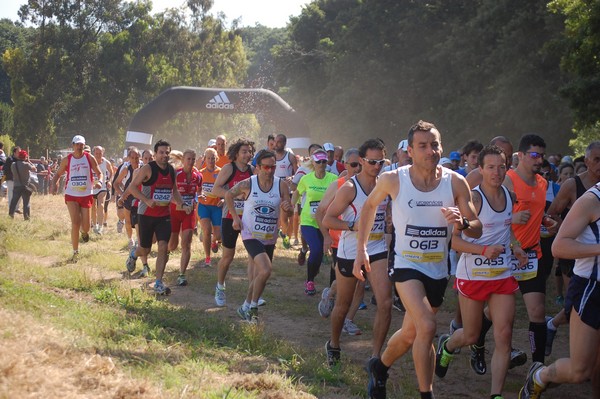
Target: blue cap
[{"x": 455, "y": 156}]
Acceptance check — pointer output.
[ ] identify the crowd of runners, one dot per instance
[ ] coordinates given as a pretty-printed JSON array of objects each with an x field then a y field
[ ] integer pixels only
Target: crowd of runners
[{"x": 490, "y": 219}]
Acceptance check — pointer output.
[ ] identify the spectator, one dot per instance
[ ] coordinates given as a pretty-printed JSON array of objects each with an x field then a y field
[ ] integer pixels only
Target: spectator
[{"x": 21, "y": 168}]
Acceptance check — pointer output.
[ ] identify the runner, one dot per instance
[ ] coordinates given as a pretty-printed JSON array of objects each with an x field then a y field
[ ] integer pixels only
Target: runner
[
  {"x": 79, "y": 167},
  {"x": 348, "y": 204},
  {"x": 578, "y": 238},
  {"x": 264, "y": 195},
  {"x": 122, "y": 182},
  {"x": 428, "y": 201},
  {"x": 470, "y": 153},
  {"x": 528, "y": 213},
  {"x": 240, "y": 154},
  {"x": 221, "y": 147},
  {"x": 314, "y": 184},
  {"x": 159, "y": 188},
  {"x": 286, "y": 168},
  {"x": 189, "y": 185},
  {"x": 569, "y": 192},
  {"x": 210, "y": 206},
  {"x": 101, "y": 193},
  {"x": 333, "y": 166},
  {"x": 484, "y": 272}
]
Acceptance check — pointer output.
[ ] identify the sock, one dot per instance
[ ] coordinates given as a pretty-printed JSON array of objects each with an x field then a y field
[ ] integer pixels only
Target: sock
[
  {"x": 426, "y": 395},
  {"x": 448, "y": 351},
  {"x": 486, "y": 324},
  {"x": 537, "y": 340},
  {"x": 550, "y": 325},
  {"x": 381, "y": 368},
  {"x": 538, "y": 378},
  {"x": 220, "y": 286},
  {"x": 253, "y": 304}
]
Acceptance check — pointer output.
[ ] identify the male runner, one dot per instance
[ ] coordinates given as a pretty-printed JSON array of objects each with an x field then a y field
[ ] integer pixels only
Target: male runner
[
  {"x": 428, "y": 202},
  {"x": 264, "y": 195},
  {"x": 286, "y": 168},
  {"x": 348, "y": 204},
  {"x": 221, "y": 147},
  {"x": 159, "y": 188},
  {"x": 100, "y": 193}
]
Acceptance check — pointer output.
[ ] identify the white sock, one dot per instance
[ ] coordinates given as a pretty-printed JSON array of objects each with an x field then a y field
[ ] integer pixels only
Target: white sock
[
  {"x": 538, "y": 378},
  {"x": 253, "y": 304},
  {"x": 550, "y": 325},
  {"x": 221, "y": 287}
]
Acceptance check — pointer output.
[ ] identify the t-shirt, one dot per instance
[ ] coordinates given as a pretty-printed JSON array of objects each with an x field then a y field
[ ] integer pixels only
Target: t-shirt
[{"x": 315, "y": 190}]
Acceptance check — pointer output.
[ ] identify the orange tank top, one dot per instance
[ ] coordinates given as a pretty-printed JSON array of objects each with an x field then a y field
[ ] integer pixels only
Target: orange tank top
[
  {"x": 533, "y": 199},
  {"x": 336, "y": 234},
  {"x": 208, "y": 182}
]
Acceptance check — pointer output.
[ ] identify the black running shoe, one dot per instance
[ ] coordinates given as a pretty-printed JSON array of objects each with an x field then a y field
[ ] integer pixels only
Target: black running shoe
[
  {"x": 478, "y": 359},
  {"x": 333, "y": 354},
  {"x": 442, "y": 357},
  {"x": 517, "y": 358},
  {"x": 376, "y": 387}
]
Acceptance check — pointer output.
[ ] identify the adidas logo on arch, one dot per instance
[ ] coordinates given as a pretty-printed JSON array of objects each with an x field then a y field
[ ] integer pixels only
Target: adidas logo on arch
[{"x": 220, "y": 101}]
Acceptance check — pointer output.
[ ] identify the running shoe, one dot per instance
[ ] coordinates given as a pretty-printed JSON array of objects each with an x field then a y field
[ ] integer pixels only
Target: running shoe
[
  {"x": 442, "y": 357},
  {"x": 301, "y": 257},
  {"x": 253, "y": 316},
  {"x": 397, "y": 304},
  {"x": 309, "y": 288},
  {"x": 560, "y": 300},
  {"x": 214, "y": 247},
  {"x": 478, "y": 359},
  {"x": 120, "y": 225},
  {"x": 181, "y": 280},
  {"x": 145, "y": 271},
  {"x": 100, "y": 230},
  {"x": 161, "y": 289},
  {"x": 243, "y": 313},
  {"x": 550, "y": 334},
  {"x": 207, "y": 262},
  {"x": 85, "y": 237},
  {"x": 261, "y": 301},
  {"x": 130, "y": 262},
  {"x": 326, "y": 260},
  {"x": 220, "y": 297},
  {"x": 95, "y": 229},
  {"x": 325, "y": 304},
  {"x": 296, "y": 242},
  {"x": 350, "y": 328},
  {"x": 74, "y": 258},
  {"x": 286, "y": 242},
  {"x": 517, "y": 358},
  {"x": 362, "y": 306},
  {"x": 376, "y": 388},
  {"x": 333, "y": 354},
  {"x": 531, "y": 389}
]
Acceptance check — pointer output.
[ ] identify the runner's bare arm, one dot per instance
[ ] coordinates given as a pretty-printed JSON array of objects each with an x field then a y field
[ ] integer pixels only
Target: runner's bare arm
[
  {"x": 140, "y": 175},
  {"x": 97, "y": 183},
  {"x": 564, "y": 198},
  {"x": 61, "y": 171},
  {"x": 464, "y": 203},
  {"x": 240, "y": 188},
  {"x": 219, "y": 189},
  {"x": 342, "y": 198},
  {"x": 583, "y": 212},
  {"x": 284, "y": 192}
]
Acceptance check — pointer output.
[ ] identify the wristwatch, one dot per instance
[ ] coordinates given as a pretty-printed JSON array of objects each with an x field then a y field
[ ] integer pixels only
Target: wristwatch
[
  {"x": 465, "y": 224},
  {"x": 351, "y": 225}
]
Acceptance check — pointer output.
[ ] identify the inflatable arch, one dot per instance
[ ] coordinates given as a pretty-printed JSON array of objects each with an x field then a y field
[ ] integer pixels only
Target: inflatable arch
[{"x": 268, "y": 107}]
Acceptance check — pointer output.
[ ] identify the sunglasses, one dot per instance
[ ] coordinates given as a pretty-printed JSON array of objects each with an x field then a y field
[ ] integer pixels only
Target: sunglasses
[
  {"x": 379, "y": 162},
  {"x": 321, "y": 162},
  {"x": 353, "y": 164},
  {"x": 535, "y": 155},
  {"x": 268, "y": 167}
]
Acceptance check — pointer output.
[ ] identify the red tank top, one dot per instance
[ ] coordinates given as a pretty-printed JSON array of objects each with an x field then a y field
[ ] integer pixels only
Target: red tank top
[
  {"x": 187, "y": 188},
  {"x": 159, "y": 188},
  {"x": 236, "y": 177}
]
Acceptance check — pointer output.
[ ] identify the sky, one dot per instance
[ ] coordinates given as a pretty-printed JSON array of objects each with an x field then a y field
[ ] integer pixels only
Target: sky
[{"x": 271, "y": 13}]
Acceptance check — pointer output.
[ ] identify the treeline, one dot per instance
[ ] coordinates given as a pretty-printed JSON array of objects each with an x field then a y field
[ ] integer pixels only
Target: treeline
[{"x": 354, "y": 68}]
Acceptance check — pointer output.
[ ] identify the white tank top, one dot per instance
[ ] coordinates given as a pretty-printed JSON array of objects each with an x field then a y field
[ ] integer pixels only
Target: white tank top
[
  {"x": 104, "y": 169},
  {"x": 588, "y": 267},
  {"x": 422, "y": 233},
  {"x": 284, "y": 166},
  {"x": 496, "y": 230},
  {"x": 79, "y": 176},
  {"x": 261, "y": 212},
  {"x": 376, "y": 241}
]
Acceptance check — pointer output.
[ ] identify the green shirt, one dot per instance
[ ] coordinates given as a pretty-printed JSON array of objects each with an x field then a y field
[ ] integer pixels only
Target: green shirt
[{"x": 315, "y": 190}]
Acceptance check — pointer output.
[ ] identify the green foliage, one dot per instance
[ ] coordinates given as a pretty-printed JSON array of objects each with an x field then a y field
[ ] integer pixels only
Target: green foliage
[
  {"x": 360, "y": 69},
  {"x": 580, "y": 60},
  {"x": 583, "y": 137}
]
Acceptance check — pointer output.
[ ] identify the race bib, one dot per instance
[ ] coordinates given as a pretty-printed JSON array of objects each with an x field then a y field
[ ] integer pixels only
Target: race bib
[
  {"x": 79, "y": 183},
  {"x": 529, "y": 270},
  {"x": 188, "y": 199},
  {"x": 239, "y": 207},
  {"x": 313, "y": 207},
  {"x": 207, "y": 189},
  {"x": 484, "y": 267},
  {"x": 162, "y": 196}
]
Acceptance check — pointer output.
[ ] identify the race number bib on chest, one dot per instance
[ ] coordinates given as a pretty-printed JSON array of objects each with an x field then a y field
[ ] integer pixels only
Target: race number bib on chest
[
  {"x": 79, "y": 183},
  {"x": 425, "y": 244},
  {"x": 162, "y": 195},
  {"x": 484, "y": 267}
]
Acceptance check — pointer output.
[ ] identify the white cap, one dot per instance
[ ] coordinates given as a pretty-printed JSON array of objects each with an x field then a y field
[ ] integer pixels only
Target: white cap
[
  {"x": 444, "y": 161},
  {"x": 78, "y": 140},
  {"x": 403, "y": 145},
  {"x": 212, "y": 142},
  {"x": 328, "y": 147}
]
